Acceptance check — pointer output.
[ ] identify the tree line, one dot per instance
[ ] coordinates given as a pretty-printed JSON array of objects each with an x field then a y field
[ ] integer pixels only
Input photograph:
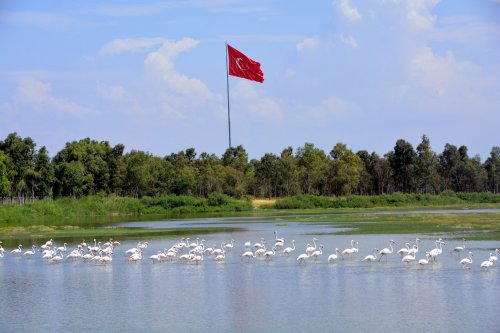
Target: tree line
[{"x": 88, "y": 167}]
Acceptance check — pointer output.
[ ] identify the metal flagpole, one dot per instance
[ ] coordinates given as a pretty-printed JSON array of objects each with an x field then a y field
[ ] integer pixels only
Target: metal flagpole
[{"x": 228, "y": 109}]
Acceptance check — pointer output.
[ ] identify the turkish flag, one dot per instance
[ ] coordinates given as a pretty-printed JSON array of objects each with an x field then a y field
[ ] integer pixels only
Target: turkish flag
[{"x": 242, "y": 66}]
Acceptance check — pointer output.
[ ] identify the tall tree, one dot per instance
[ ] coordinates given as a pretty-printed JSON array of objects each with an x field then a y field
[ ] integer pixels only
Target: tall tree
[
  {"x": 345, "y": 170},
  {"x": 492, "y": 167},
  {"x": 313, "y": 166},
  {"x": 19, "y": 154},
  {"x": 402, "y": 161},
  {"x": 427, "y": 168},
  {"x": 44, "y": 174},
  {"x": 4, "y": 182}
]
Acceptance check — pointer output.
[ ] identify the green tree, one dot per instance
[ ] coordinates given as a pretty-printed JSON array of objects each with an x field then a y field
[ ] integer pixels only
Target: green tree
[
  {"x": 367, "y": 177},
  {"x": 345, "y": 170},
  {"x": 71, "y": 180},
  {"x": 266, "y": 171},
  {"x": 402, "y": 161},
  {"x": 19, "y": 157},
  {"x": 137, "y": 175},
  {"x": 4, "y": 182},
  {"x": 313, "y": 169},
  {"x": 492, "y": 167},
  {"x": 427, "y": 168},
  {"x": 288, "y": 173},
  {"x": 44, "y": 174},
  {"x": 448, "y": 162}
]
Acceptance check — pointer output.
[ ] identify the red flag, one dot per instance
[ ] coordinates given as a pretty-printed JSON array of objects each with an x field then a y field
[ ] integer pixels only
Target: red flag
[{"x": 242, "y": 66}]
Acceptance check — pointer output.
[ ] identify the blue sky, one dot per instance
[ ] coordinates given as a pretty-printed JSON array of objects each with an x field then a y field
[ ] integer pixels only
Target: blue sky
[{"x": 151, "y": 74}]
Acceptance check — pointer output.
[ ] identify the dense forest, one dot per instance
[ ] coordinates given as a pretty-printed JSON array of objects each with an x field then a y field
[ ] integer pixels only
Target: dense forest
[{"x": 89, "y": 167}]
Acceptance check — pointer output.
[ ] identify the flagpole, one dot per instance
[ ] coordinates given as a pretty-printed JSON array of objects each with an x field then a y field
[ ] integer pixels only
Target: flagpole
[{"x": 227, "y": 88}]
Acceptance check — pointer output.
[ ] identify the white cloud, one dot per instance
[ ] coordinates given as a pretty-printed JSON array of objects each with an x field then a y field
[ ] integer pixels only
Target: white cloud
[
  {"x": 349, "y": 11},
  {"x": 112, "y": 92},
  {"x": 349, "y": 40},
  {"x": 419, "y": 13},
  {"x": 161, "y": 64},
  {"x": 117, "y": 46},
  {"x": 38, "y": 95},
  {"x": 250, "y": 100},
  {"x": 442, "y": 74},
  {"x": 309, "y": 44},
  {"x": 333, "y": 106},
  {"x": 446, "y": 85}
]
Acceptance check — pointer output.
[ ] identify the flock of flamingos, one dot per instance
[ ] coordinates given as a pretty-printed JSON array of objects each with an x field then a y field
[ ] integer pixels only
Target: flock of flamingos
[{"x": 196, "y": 252}]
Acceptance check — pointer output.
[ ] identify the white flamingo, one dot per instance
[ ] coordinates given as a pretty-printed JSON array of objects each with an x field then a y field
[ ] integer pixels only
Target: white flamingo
[
  {"x": 385, "y": 251},
  {"x": 408, "y": 258},
  {"x": 229, "y": 246},
  {"x": 332, "y": 257},
  {"x": 371, "y": 257},
  {"x": 302, "y": 258},
  {"x": 414, "y": 249},
  {"x": 248, "y": 255},
  {"x": 467, "y": 261},
  {"x": 459, "y": 249},
  {"x": 425, "y": 261},
  {"x": 17, "y": 251},
  {"x": 487, "y": 263},
  {"x": 276, "y": 239},
  {"x": 311, "y": 248},
  {"x": 155, "y": 257},
  {"x": 404, "y": 250},
  {"x": 316, "y": 254},
  {"x": 289, "y": 250},
  {"x": 350, "y": 250},
  {"x": 30, "y": 252},
  {"x": 269, "y": 254},
  {"x": 494, "y": 258},
  {"x": 434, "y": 253}
]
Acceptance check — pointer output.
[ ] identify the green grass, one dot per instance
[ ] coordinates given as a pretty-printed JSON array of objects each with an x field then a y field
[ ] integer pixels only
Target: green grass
[{"x": 480, "y": 226}]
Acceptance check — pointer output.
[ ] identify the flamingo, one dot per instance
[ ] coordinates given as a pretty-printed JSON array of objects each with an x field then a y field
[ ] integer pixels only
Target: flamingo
[
  {"x": 385, "y": 251},
  {"x": 155, "y": 257},
  {"x": 414, "y": 249},
  {"x": 371, "y": 257},
  {"x": 62, "y": 248},
  {"x": 438, "y": 250},
  {"x": 350, "y": 250},
  {"x": 278, "y": 240},
  {"x": 135, "y": 257},
  {"x": 486, "y": 264},
  {"x": 494, "y": 258},
  {"x": 467, "y": 261},
  {"x": 229, "y": 246},
  {"x": 426, "y": 260},
  {"x": 261, "y": 244},
  {"x": 30, "y": 252},
  {"x": 404, "y": 250},
  {"x": 57, "y": 258},
  {"x": 332, "y": 257},
  {"x": 248, "y": 255},
  {"x": 310, "y": 248},
  {"x": 17, "y": 251},
  {"x": 316, "y": 254},
  {"x": 220, "y": 257},
  {"x": 289, "y": 250},
  {"x": 302, "y": 258},
  {"x": 270, "y": 254},
  {"x": 197, "y": 258},
  {"x": 459, "y": 249},
  {"x": 409, "y": 257}
]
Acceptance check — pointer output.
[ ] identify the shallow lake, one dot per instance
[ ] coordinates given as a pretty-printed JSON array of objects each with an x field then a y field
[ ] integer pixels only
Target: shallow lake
[{"x": 255, "y": 295}]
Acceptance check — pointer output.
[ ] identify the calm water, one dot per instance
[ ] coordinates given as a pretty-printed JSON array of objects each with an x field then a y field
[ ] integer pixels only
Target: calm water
[{"x": 257, "y": 296}]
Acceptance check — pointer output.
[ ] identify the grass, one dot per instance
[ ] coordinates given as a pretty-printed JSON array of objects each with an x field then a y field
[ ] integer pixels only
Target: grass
[
  {"x": 91, "y": 216},
  {"x": 479, "y": 226}
]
